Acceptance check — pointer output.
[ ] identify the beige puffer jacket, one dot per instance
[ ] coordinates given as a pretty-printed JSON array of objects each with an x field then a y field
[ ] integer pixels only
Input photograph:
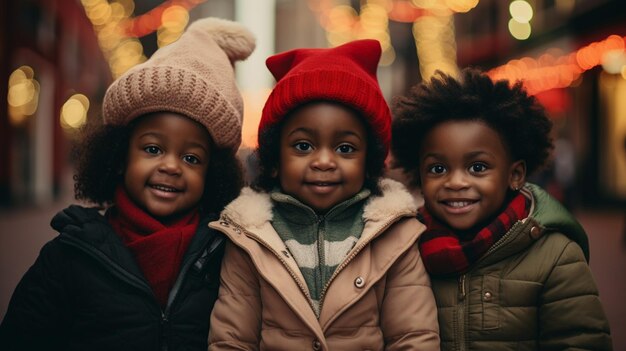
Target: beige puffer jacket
[{"x": 379, "y": 298}]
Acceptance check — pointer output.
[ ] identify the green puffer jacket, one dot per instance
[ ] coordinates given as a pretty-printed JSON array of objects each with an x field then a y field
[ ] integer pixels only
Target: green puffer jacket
[{"x": 532, "y": 290}]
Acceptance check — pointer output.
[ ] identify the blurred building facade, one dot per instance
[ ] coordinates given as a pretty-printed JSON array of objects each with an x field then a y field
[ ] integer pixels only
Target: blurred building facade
[
  {"x": 573, "y": 61},
  {"x": 58, "y": 56},
  {"x": 48, "y": 52}
]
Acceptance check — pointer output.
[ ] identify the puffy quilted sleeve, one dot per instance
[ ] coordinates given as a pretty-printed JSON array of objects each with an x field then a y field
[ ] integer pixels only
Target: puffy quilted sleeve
[
  {"x": 409, "y": 311},
  {"x": 236, "y": 317},
  {"x": 571, "y": 314}
]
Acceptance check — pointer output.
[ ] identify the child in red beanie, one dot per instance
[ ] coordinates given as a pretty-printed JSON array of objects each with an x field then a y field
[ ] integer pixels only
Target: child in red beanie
[
  {"x": 322, "y": 251},
  {"x": 145, "y": 275}
]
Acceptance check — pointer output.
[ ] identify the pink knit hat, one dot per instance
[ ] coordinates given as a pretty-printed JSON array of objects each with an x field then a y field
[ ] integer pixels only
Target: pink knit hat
[
  {"x": 193, "y": 76},
  {"x": 344, "y": 74}
]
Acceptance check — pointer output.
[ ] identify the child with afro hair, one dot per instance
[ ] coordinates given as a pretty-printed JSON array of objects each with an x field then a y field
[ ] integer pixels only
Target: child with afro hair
[
  {"x": 143, "y": 275},
  {"x": 509, "y": 264}
]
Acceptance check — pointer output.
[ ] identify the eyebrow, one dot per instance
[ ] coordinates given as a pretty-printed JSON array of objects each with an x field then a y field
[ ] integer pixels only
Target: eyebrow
[
  {"x": 477, "y": 153},
  {"x": 468, "y": 155},
  {"x": 314, "y": 132}
]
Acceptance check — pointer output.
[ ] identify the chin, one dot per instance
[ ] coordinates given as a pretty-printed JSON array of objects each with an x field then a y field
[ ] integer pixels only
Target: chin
[{"x": 462, "y": 227}]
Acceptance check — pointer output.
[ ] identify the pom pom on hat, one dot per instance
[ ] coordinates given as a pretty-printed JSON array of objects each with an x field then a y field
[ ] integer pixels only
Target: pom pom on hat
[
  {"x": 345, "y": 74},
  {"x": 193, "y": 76}
]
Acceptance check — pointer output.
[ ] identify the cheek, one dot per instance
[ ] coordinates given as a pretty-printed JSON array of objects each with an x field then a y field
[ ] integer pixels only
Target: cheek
[
  {"x": 131, "y": 175},
  {"x": 198, "y": 177},
  {"x": 427, "y": 187}
]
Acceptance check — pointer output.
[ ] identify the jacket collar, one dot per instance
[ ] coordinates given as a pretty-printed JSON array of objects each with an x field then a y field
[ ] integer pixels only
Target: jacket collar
[
  {"x": 554, "y": 217},
  {"x": 292, "y": 208},
  {"x": 253, "y": 209},
  {"x": 546, "y": 216},
  {"x": 88, "y": 228}
]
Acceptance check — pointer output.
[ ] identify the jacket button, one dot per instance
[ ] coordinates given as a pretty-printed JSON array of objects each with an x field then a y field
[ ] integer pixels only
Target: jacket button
[
  {"x": 317, "y": 345},
  {"x": 487, "y": 296},
  {"x": 535, "y": 232},
  {"x": 359, "y": 282}
]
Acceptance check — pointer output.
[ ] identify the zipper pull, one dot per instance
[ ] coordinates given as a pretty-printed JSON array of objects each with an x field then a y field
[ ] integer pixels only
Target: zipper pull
[
  {"x": 462, "y": 287},
  {"x": 320, "y": 219},
  {"x": 164, "y": 332}
]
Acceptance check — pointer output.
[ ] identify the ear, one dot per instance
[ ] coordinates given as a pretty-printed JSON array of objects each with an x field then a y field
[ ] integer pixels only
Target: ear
[{"x": 517, "y": 175}]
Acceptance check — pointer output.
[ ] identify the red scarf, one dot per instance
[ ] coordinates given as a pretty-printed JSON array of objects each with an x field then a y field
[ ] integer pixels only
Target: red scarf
[
  {"x": 447, "y": 252},
  {"x": 158, "y": 249}
]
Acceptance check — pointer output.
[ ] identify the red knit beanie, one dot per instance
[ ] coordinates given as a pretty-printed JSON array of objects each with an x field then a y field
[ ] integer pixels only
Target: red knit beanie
[{"x": 345, "y": 74}]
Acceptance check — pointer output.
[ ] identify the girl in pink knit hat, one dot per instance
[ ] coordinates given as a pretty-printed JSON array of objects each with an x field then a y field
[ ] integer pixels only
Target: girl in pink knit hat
[
  {"x": 144, "y": 274},
  {"x": 322, "y": 252}
]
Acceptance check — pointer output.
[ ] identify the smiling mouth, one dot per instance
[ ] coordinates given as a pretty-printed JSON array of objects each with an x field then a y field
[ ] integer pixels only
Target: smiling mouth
[
  {"x": 164, "y": 188},
  {"x": 458, "y": 206},
  {"x": 322, "y": 183},
  {"x": 322, "y": 188}
]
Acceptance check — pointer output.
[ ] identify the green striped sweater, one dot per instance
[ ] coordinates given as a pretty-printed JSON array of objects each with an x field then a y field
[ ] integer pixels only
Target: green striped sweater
[{"x": 318, "y": 243}]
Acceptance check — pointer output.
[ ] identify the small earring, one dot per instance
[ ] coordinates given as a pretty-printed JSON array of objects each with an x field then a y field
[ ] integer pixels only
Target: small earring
[{"x": 516, "y": 188}]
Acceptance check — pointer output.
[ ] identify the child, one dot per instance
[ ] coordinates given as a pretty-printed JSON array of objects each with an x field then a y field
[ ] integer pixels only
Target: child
[
  {"x": 323, "y": 254},
  {"x": 508, "y": 263},
  {"x": 145, "y": 275}
]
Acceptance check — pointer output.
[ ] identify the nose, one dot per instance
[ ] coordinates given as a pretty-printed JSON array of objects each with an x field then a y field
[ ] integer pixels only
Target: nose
[
  {"x": 457, "y": 180},
  {"x": 324, "y": 160},
  {"x": 170, "y": 164}
]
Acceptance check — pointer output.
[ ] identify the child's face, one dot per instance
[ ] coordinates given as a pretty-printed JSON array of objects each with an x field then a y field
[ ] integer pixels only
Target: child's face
[
  {"x": 322, "y": 155},
  {"x": 168, "y": 158},
  {"x": 465, "y": 172}
]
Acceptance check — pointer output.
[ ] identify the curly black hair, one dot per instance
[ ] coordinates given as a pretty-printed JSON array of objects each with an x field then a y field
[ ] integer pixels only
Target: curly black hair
[
  {"x": 101, "y": 154},
  {"x": 508, "y": 109},
  {"x": 268, "y": 153}
]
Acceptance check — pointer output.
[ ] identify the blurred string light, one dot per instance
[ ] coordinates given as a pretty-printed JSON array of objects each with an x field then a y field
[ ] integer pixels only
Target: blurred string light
[
  {"x": 23, "y": 95},
  {"x": 436, "y": 44},
  {"x": 519, "y": 24},
  {"x": 433, "y": 28},
  {"x": 343, "y": 24},
  {"x": 74, "y": 112},
  {"x": 118, "y": 32},
  {"x": 555, "y": 69}
]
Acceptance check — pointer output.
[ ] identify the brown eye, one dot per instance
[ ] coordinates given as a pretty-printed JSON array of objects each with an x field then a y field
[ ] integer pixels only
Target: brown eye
[
  {"x": 345, "y": 149},
  {"x": 152, "y": 150},
  {"x": 302, "y": 146},
  {"x": 437, "y": 169},
  {"x": 191, "y": 159},
  {"x": 478, "y": 168}
]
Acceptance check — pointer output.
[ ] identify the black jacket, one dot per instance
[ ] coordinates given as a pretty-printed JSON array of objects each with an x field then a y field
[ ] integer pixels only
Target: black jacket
[{"x": 85, "y": 292}]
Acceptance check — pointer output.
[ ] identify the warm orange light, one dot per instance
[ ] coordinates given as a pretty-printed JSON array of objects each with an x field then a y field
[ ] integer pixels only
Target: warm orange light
[
  {"x": 405, "y": 11},
  {"x": 151, "y": 20},
  {"x": 551, "y": 71}
]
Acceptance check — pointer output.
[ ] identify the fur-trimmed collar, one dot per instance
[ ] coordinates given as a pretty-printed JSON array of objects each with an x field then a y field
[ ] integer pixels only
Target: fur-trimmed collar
[{"x": 253, "y": 209}]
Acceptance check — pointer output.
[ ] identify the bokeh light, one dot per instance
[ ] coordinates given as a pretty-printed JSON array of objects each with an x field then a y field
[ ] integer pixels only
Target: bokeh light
[
  {"x": 74, "y": 112},
  {"x": 521, "y": 11},
  {"x": 519, "y": 30},
  {"x": 556, "y": 69},
  {"x": 23, "y": 95}
]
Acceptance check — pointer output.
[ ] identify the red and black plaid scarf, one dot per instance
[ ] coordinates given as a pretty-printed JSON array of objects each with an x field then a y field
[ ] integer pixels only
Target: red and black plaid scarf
[{"x": 446, "y": 252}]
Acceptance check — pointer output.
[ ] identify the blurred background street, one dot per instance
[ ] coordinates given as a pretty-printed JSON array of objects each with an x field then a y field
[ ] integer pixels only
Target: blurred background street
[{"x": 57, "y": 57}]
